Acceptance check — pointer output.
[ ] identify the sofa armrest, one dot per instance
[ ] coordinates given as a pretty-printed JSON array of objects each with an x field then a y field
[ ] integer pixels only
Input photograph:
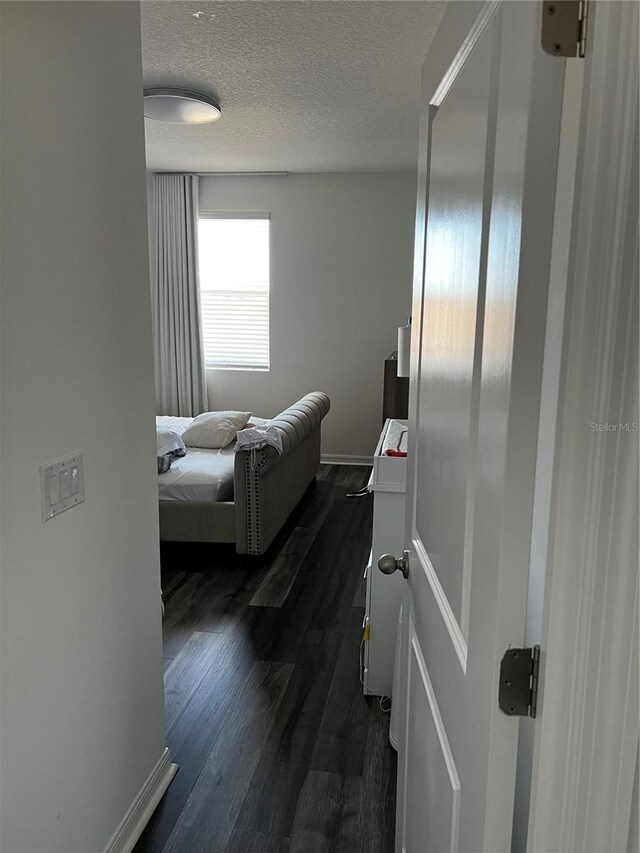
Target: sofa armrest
[{"x": 268, "y": 485}]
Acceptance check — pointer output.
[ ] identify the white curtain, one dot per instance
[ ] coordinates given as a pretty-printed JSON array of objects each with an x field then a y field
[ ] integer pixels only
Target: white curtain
[{"x": 177, "y": 335}]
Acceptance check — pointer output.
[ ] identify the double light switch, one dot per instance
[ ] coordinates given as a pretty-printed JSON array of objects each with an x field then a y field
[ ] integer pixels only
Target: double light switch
[{"x": 61, "y": 485}]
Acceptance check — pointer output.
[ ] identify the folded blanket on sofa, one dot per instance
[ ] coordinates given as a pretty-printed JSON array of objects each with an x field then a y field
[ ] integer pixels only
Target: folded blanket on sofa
[{"x": 256, "y": 438}]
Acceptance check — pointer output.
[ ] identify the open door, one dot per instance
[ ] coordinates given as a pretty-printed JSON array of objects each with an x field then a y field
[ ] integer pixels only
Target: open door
[{"x": 490, "y": 120}]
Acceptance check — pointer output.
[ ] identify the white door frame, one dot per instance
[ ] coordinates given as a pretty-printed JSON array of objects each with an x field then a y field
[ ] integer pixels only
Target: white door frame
[{"x": 586, "y": 734}]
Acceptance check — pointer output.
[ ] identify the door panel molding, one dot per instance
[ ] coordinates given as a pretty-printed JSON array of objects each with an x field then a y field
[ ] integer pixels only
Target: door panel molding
[
  {"x": 483, "y": 20},
  {"x": 453, "y": 316},
  {"x": 442, "y": 602},
  {"x": 439, "y": 756}
]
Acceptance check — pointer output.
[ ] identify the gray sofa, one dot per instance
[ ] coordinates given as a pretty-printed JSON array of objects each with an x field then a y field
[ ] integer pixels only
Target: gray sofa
[{"x": 265, "y": 492}]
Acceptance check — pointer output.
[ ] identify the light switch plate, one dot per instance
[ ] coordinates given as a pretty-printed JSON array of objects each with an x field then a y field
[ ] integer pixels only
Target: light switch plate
[{"x": 61, "y": 485}]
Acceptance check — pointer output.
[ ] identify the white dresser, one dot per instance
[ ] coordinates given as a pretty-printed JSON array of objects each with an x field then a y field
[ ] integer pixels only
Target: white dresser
[{"x": 384, "y": 592}]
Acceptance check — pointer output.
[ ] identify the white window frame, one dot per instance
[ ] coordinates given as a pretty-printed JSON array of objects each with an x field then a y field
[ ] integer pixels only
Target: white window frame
[{"x": 243, "y": 214}]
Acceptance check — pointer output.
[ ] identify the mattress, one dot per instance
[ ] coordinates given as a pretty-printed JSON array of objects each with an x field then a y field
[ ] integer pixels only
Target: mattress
[{"x": 201, "y": 475}]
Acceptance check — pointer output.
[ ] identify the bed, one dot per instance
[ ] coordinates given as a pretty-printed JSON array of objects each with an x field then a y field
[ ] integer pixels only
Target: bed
[{"x": 242, "y": 498}]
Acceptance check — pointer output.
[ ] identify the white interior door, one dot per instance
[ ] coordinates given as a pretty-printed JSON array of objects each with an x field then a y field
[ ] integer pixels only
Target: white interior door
[{"x": 491, "y": 108}]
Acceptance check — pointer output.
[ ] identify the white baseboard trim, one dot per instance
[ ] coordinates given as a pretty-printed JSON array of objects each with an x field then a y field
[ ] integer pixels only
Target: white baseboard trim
[
  {"x": 124, "y": 838},
  {"x": 340, "y": 459}
]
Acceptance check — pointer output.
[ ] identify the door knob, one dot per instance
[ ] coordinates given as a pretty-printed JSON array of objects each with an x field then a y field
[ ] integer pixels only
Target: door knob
[{"x": 388, "y": 564}]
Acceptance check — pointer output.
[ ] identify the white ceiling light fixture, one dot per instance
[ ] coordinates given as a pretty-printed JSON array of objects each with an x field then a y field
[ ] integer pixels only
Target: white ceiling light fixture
[{"x": 180, "y": 106}]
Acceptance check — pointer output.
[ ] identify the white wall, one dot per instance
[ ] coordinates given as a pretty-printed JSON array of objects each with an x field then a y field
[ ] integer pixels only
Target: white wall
[
  {"x": 81, "y": 661},
  {"x": 341, "y": 266}
]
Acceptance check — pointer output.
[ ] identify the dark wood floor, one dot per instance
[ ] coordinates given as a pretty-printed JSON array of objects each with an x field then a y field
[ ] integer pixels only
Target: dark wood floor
[{"x": 279, "y": 751}]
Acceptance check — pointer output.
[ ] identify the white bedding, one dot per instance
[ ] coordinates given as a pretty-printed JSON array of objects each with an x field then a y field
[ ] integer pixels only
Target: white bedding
[{"x": 201, "y": 475}]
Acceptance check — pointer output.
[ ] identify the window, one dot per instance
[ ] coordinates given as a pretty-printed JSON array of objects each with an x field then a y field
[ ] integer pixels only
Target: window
[{"x": 234, "y": 290}]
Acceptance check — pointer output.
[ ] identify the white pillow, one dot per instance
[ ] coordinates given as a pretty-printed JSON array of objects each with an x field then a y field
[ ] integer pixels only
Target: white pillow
[{"x": 214, "y": 429}]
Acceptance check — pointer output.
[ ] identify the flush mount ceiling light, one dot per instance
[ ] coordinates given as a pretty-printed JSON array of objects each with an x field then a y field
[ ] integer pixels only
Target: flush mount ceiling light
[{"x": 180, "y": 106}]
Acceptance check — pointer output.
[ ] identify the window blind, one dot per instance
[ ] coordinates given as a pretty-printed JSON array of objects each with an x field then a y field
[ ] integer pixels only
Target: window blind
[{"x": 234, "y": 291}]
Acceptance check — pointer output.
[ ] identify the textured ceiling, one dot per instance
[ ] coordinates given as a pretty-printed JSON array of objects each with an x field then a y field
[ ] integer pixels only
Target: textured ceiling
[{"x": 304, "y": 86}]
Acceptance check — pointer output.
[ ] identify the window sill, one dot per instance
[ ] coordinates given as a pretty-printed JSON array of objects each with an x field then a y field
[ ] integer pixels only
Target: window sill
[{"x": 243, "y": 369}]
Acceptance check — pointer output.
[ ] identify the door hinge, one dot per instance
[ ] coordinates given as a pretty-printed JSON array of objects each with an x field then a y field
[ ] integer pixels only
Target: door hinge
[
  {"x": 518, "y": 691},
  {"x": 564, "y": 27}
]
